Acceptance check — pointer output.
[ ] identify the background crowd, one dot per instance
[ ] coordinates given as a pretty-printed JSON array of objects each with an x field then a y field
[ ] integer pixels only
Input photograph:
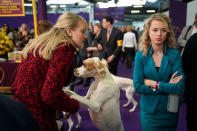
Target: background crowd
[{"x": 155, "y": 43}]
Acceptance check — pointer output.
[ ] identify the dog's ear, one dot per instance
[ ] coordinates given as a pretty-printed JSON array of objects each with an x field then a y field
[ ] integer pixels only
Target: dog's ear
[
  {"x": 100, "y": 65},
  {"x": 101, "y": 73},
  {"x": 105, "y": 63}
]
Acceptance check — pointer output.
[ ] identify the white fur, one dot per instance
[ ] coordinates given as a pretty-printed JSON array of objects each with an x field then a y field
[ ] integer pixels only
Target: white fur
[
  {"x": 126, "y": 85},
  {"x": 70, "y": 122},
  {"x": 102, "y": 98}
]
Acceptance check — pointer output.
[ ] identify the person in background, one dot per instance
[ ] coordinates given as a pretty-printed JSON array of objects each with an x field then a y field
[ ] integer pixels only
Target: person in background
[
  {"x": 46, "y": 67},
  {"x": 93, "y": 50},
  {"x": 43, "y": 26},
  {"x": 123, "y": 30},
  {"x": 15, "y": 116},
  {"x": 122, "y": 54},
  {"x": 186, "y": 33},
  {"x": 157, "y": 74},
  {"x": 189, "y": 58},
  {"x": 129, "y": 46},
  {"x": 111, "y": 41},
  {"x": 136, "y": 33},
  {"x": 24, "y": 33}
]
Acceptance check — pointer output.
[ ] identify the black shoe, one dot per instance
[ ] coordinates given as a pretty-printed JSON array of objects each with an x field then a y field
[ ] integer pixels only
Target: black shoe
[{"x": 59, "y": 115}]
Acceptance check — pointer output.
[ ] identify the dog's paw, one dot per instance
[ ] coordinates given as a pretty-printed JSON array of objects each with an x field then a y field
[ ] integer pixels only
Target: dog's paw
[
  {"x": 74, "y": 97},
  {"x": 131, "y": 110},
  {"x": 69, "y": 93}
]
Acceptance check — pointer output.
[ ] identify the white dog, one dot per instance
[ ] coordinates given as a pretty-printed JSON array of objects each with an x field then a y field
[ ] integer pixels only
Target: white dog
[
  {"x": 126, "y": 85},
  {"x": 102, "y": 98}
]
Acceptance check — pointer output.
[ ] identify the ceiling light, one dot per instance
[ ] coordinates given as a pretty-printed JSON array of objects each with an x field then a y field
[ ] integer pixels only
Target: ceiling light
[
  {"x": 62, "y": 6},
  {"x": 135, "y": 11},
  {"x": 63, "y": 1},
  {"x": 150, "y": 11},
  {"x": 53, "y": 6},
  {"x": 106, "y": 5},
  {"x": 138, "y": 6},
  {"x": 27, "y": 4}
]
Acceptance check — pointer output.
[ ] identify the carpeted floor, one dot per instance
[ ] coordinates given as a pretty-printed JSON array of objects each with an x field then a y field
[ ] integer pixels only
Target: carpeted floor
[{"x": 131, "y": 121}]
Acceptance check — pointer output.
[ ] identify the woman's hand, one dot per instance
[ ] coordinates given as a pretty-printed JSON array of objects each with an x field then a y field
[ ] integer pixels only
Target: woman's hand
[
  {"x": 174, "y": 79},
  {"x": 100, "y": 47},
  {"x": 110, "y": 59},
  {"x": 150, "y": 83},
  {"x": 91, "y": 49}
]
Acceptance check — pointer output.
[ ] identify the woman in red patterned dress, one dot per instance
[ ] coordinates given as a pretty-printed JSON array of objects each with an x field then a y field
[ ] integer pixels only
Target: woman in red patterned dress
[{"x": 47, "y": 67}]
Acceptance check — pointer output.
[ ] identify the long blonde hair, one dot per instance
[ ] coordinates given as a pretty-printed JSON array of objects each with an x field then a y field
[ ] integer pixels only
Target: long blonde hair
[
  {"x": 45, "y": 43},
  {"x": 145, "y": 39}
]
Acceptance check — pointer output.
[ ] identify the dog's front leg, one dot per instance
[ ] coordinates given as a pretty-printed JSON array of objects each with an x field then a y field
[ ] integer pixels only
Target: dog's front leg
[
  {"x": 91, "y": 89},
  {"x": 88, "y": 103}
]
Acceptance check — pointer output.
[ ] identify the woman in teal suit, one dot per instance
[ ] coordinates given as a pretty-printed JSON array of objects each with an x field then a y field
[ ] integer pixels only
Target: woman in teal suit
[{"x": 158, "y": 73}]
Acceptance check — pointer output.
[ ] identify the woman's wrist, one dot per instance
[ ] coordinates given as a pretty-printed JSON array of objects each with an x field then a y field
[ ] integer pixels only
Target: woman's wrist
[
  {"x": 154, "y": 85},
  {"x": 157, "y": 85}
]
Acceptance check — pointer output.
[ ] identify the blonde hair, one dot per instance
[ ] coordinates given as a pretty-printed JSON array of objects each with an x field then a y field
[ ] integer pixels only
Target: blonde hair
[
  {"x": 45, "y": 43},
  {"x": 145, "y": 39},
  {"x": 98, "y": 25},
  {"x": 129, "y": 28}
]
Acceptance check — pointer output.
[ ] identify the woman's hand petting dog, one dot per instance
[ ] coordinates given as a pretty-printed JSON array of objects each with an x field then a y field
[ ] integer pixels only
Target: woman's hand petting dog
[{"x": 69, "y": 93}]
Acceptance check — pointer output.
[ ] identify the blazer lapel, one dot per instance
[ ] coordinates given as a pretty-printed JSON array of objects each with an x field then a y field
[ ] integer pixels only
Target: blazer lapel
[
  {"x": 105, "y": 35},
  {"x": 164, "y": 64},
  {"x": 111, "y": 35}
]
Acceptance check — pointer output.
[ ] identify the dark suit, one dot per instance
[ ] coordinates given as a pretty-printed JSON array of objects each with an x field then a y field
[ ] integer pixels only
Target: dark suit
[
  {"x": 112, "y": 47},
  {"x": 189, "y": 59},
  {"x": 15, "y": 116}
]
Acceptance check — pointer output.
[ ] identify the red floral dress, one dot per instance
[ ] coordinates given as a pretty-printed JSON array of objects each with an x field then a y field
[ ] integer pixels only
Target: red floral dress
[{"x": 38, "y": 84}]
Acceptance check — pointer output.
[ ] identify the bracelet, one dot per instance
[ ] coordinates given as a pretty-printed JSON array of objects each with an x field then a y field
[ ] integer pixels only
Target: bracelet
[
  {"x": 157, "y": 85},
  {"x": 150, "y": 83}
]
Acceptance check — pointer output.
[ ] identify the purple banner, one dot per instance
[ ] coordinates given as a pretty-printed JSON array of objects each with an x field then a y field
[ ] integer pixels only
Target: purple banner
[
  {"x": 42, "y": 10},
  {"x": 7, "y": 72},
  {"x": 116, "y": 12},
  {"x": 15, "y": 22},
  {"x": 178, "y": 21},
  {"x": 12, "y": 8}
]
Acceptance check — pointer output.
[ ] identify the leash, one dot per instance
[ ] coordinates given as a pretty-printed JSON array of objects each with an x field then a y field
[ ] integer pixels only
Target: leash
[{"x": 65, "y": 88}]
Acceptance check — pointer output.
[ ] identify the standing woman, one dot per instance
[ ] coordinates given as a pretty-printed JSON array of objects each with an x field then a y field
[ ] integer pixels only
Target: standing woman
[
  {"x": 157, "y": 74},
  {"x": 47, "y": 67},
  {"x": 94, "y": 50}
]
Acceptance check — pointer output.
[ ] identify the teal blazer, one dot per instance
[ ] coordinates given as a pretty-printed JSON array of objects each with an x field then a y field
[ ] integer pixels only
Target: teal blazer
[{"x": 145, "y": 69}]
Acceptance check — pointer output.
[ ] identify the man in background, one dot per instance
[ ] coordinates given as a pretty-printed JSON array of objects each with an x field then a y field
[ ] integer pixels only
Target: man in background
[{"x": 111, "y": 41}]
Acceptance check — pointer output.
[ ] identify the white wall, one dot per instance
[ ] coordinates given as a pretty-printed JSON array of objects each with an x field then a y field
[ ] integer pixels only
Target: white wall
[
  {"x": 166, "y": 12},
  {"x": 191, "y": 11}
]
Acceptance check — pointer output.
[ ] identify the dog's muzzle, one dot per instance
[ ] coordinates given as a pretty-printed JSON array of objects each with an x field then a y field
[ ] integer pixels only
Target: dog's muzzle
[{"x": 76, "y": 73}]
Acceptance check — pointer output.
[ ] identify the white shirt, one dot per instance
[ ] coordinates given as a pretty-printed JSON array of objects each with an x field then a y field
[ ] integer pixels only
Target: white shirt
[
  {"x": 129, "y": 40},
  {"x": 194, "y": 29}
]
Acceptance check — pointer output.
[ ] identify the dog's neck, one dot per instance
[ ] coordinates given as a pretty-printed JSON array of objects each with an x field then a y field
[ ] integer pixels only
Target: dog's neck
[{"x": 102, "y": 74}]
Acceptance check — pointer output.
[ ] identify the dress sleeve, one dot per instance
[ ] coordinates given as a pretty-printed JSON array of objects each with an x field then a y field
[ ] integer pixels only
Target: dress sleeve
[
  {"x": 138, "y": 76},
  {"x": 174, "y": 88},
  {"x": 52, "y": 93}
]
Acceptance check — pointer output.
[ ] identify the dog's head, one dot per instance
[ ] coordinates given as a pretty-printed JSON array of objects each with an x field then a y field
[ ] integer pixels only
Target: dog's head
[{"x": 91, "y": 67}]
